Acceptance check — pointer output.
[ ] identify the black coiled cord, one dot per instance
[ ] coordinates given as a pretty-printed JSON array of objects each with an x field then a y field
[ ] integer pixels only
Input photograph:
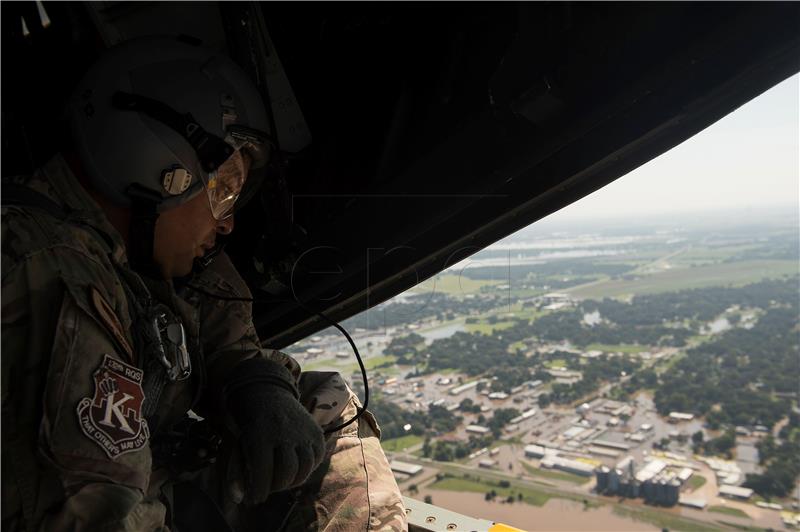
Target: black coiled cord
[{"x": 329, "y": 321}]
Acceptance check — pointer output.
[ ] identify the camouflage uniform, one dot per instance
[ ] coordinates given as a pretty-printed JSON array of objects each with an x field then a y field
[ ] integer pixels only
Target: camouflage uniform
[
  {"x": 54, "y": 338},
  {"x": 354, "y": 489},
  {"x": 75, "y": 444}
]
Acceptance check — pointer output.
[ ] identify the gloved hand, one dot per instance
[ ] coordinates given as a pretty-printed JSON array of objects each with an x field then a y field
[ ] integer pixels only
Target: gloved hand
[{"x": 279, "y": 441}]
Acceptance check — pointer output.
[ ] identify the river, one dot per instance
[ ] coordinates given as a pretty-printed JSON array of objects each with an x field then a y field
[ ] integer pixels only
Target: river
[{"x": 441, "y": 332}]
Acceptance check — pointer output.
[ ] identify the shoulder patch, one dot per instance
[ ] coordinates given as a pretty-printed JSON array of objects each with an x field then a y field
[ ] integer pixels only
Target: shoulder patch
[
  {"x": 112, "y": 418},
  {"x": 112, "y": 323}
]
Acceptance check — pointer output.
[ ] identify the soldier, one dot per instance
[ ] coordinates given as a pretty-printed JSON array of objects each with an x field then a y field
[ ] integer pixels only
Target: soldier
[
  {"x": 354, "y": 489},
  {"x": 102, "y": 359}
]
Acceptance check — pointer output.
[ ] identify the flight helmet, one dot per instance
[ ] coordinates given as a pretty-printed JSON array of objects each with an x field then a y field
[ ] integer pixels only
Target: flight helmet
[{"x": 154, "y": 118}]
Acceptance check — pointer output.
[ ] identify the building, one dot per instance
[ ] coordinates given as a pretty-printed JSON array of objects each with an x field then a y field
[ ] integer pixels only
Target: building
[
  {"x": 535, "y": 451},
  {"x": 477, "y": 429},
  {"x": 479, "y": 452},
  {"x": 685, "y": 474},
  {"x": 567, "y": 465},
  {"x": 573, "y": 432},
  {"x": 612, "y": 444},
  {"x": 654, "y": 483},
  {"x": 735, "y": 492},
  {"x": 692, "y": 502},
  {"x": 599, "y": 451},
  {"x": 601, "y": 474},
  {"x": 672, "y": 491},
  {"x": 405, "y": 468},
  {"x": 614, "y": 477},
  {"x": 649, "y": 471},
  {"x": 463, "y": 388},
  {"x": 677, "y": 417},
  {"x": 525, "y": 415},
  {"x": 769, "y": 505},
  {"x": 627, "y": 464}
]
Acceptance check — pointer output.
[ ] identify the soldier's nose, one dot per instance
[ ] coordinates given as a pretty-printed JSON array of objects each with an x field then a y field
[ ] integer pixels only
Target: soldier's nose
[{"x": 224, "y": 227}]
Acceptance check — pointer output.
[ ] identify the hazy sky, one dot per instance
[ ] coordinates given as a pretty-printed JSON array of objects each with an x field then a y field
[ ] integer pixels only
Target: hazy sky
[{"x": 748, "y": 160}]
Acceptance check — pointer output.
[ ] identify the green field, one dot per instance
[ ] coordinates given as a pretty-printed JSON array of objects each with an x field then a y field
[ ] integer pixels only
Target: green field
[
  {"x": 347, "y": 366},
  {"x": 529, "y": 495},
  {"x": 745, "y": 528},
  {"x": 664, "y": 520},
  {"x": 735, "y": 512},
  {"x": 709, "y": 255},
  {"x": 695, "y": 482},
  {"x": 371, "y": 363},
  {"x": 554, "y": 475},
  {"x": 556, "y": 363},
  {"x": 488, "y": 328},
  {"x": 321, "y": 365},
  {"x": 515, "y": 346},
  {"x": 667, "y": 364},
  {"x": 401, "y": 443},
  {"x": 618, "y": 348},
  {"x": 453, "y": 285},
  {"x": 735, "y": 273}
]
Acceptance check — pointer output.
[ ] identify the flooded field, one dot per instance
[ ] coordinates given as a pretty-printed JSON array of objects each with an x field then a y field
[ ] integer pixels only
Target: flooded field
[
  {"x": 438, "y": 333},
  {"x": 556, "y": 514}
]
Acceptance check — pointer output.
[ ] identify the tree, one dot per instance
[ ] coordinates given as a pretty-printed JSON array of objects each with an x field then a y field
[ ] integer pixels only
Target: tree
[
  {"x": 543, "y": 400},
  {"x": 697, "y": 437},
  {"x": 722, "y": 444},
  {"x": 428, "y": 499}
]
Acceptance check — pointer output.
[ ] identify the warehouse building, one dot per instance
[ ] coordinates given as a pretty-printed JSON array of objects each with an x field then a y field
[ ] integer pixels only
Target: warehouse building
[
  {"x": 570, "y": 466},
  {"x": 405, "y": 468},
  {"x": 735, "y": 492},
  {"x": 522, "y": 417},
  {"x": 458, "y": 390},
  {"x": 535, "y": 451}
]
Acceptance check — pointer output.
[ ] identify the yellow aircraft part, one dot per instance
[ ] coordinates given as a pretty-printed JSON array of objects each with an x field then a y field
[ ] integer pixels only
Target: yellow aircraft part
[{"x": 499, "y": 527}]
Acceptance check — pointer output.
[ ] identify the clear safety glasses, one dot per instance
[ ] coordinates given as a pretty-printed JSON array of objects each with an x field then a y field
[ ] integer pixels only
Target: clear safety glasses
[{"x": 224, "y": 185}]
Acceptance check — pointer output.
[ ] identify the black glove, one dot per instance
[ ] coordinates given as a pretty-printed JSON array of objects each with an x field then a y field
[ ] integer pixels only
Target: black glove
[{"x": 279, "y": 441}]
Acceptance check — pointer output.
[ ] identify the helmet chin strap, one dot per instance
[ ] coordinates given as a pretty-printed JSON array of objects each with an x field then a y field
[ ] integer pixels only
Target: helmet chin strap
[{"x": 141, "y": 234}]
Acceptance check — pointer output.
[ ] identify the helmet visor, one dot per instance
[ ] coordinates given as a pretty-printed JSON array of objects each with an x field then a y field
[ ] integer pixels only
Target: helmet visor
[{"x": 224, "y": 185}]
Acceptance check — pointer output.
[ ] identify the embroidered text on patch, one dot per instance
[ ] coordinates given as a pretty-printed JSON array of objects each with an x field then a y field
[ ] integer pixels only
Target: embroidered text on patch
[{"x": 112, "y": 418}]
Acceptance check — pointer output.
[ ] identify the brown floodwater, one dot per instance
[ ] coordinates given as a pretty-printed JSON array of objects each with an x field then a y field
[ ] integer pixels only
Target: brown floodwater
[{"x": 556, "y": 514}]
